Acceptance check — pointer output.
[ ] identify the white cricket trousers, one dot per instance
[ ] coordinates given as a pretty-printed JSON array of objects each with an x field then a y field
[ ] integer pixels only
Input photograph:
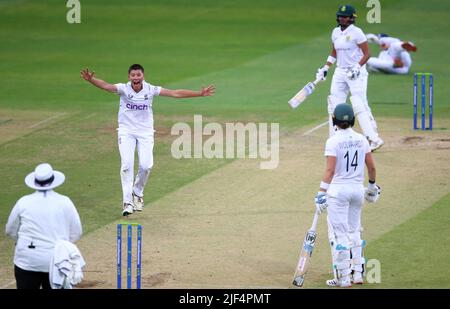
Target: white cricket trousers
[
  {"x": 344, "y": 226},
  {"x": 385, "y": 65},
  {"x": 127, "y": 145},
  {"x": 341, "y": 86}
]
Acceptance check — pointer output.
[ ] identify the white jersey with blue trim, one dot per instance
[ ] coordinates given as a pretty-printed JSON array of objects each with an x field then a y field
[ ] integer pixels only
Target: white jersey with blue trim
[
  {"x": 135, "y": 112},
  {"x": 350, "y": 149}
]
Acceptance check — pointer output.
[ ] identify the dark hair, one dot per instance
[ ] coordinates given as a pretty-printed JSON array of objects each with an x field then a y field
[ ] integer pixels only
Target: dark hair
[
  {"x": 343, "y": 125},
  {"x": 135, "y": 67}
]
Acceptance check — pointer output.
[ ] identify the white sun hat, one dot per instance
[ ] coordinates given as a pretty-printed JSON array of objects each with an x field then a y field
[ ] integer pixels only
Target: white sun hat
[{"x": 44, "y": 178}]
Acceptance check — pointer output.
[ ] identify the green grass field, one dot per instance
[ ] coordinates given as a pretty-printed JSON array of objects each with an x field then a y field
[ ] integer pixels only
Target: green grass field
[{"x": 257, "y": 53}]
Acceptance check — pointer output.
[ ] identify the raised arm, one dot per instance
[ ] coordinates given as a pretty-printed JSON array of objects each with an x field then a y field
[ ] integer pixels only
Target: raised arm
[
  {"x": 184, "y": 93},
  {"x": 89, "y": 76}
]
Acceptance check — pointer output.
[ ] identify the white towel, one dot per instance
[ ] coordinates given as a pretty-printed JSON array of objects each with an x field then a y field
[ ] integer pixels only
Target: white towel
[{"x": 66, "y": 265}]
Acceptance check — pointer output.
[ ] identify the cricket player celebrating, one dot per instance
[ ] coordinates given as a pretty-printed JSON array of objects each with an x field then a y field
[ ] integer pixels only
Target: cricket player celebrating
[
  {"x": 136, "y": 128},
  {"x": 342, "y": 192},
  {"x": 350, "y": 52},
  {"x": 394, "y": 57}
]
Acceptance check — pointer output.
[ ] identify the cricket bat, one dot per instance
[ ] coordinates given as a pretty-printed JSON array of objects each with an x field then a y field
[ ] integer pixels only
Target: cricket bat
[
  {"x": 303, "y": 93},
  {"x": 305, "y": 253}
]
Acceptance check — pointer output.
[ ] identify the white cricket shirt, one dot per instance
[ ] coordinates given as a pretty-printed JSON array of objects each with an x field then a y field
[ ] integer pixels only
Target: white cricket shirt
[
  {"x": 346, "y": 43},
  {"x": 406, "y": 59},
  {"x": 350, "y": 149},
  {"x": 394, "y": 46},
  {"x": 135, "y": 112},
  {"x": 396, "y": 51},
  {"x": 388, "y": 41},
  {"x": 37, "y": 221}
]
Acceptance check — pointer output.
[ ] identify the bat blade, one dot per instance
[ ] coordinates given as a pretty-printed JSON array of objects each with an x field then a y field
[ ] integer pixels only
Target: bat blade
[
  {"x": 305, "y": 92},
  {"x": 302, "y": 95},
  {"x": 305, "y": 258}
]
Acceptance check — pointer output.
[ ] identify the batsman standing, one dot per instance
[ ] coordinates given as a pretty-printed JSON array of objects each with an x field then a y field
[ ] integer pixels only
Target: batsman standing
[
  {"x": 342, "y": 193},
  {"x": 350, "y": 51},
  {"x": 136, "y": 128}
]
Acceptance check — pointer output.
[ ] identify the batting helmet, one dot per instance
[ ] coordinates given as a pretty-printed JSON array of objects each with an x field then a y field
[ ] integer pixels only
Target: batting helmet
[
  {"x": 348, "y": 11},
  {"x": 343, "y": 113}
]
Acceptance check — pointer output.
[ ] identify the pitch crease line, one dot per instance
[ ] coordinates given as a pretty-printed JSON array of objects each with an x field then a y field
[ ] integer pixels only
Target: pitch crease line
[
  {"x": 46, "y": 120},
  {"x": 315, "y": 128}
]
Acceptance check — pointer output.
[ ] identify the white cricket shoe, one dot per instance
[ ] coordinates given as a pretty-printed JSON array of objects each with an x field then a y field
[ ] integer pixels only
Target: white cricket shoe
[
  {"x": 357, "y": 277},
  {"x": 127, "y": 209},
  {"x": 376, "y": 145},
  {"x": 342, "y": 283},
  {"x": 138, "y": 202}
]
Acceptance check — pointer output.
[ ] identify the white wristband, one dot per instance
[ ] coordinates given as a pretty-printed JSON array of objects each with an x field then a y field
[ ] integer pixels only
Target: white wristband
[
  {"x": 331, "y": 59},
  {"x": 324, "y": 185}
]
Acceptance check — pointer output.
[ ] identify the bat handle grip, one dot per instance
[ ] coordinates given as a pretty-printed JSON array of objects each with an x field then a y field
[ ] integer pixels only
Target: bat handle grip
[
  {"x": 314, "y": 224},
  {"x": 317, "y": 81}
]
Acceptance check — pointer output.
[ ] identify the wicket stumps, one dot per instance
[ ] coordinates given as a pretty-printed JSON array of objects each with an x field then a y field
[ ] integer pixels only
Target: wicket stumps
[
  {"x": 423, "y": 77},
  {"x": 129, "y": 254}
]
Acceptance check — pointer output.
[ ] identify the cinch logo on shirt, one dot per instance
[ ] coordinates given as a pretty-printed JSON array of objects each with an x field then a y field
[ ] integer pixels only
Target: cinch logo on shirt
[{"x": 142, "y": 107}]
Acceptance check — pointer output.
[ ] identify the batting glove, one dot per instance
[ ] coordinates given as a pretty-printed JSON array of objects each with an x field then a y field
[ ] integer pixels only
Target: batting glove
[
  {"x": 372, "y": 192},
  {"x": 321, "y": 201},
  {"x": 322, "y": 72},
  {"x": 354, "y": 72}
]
